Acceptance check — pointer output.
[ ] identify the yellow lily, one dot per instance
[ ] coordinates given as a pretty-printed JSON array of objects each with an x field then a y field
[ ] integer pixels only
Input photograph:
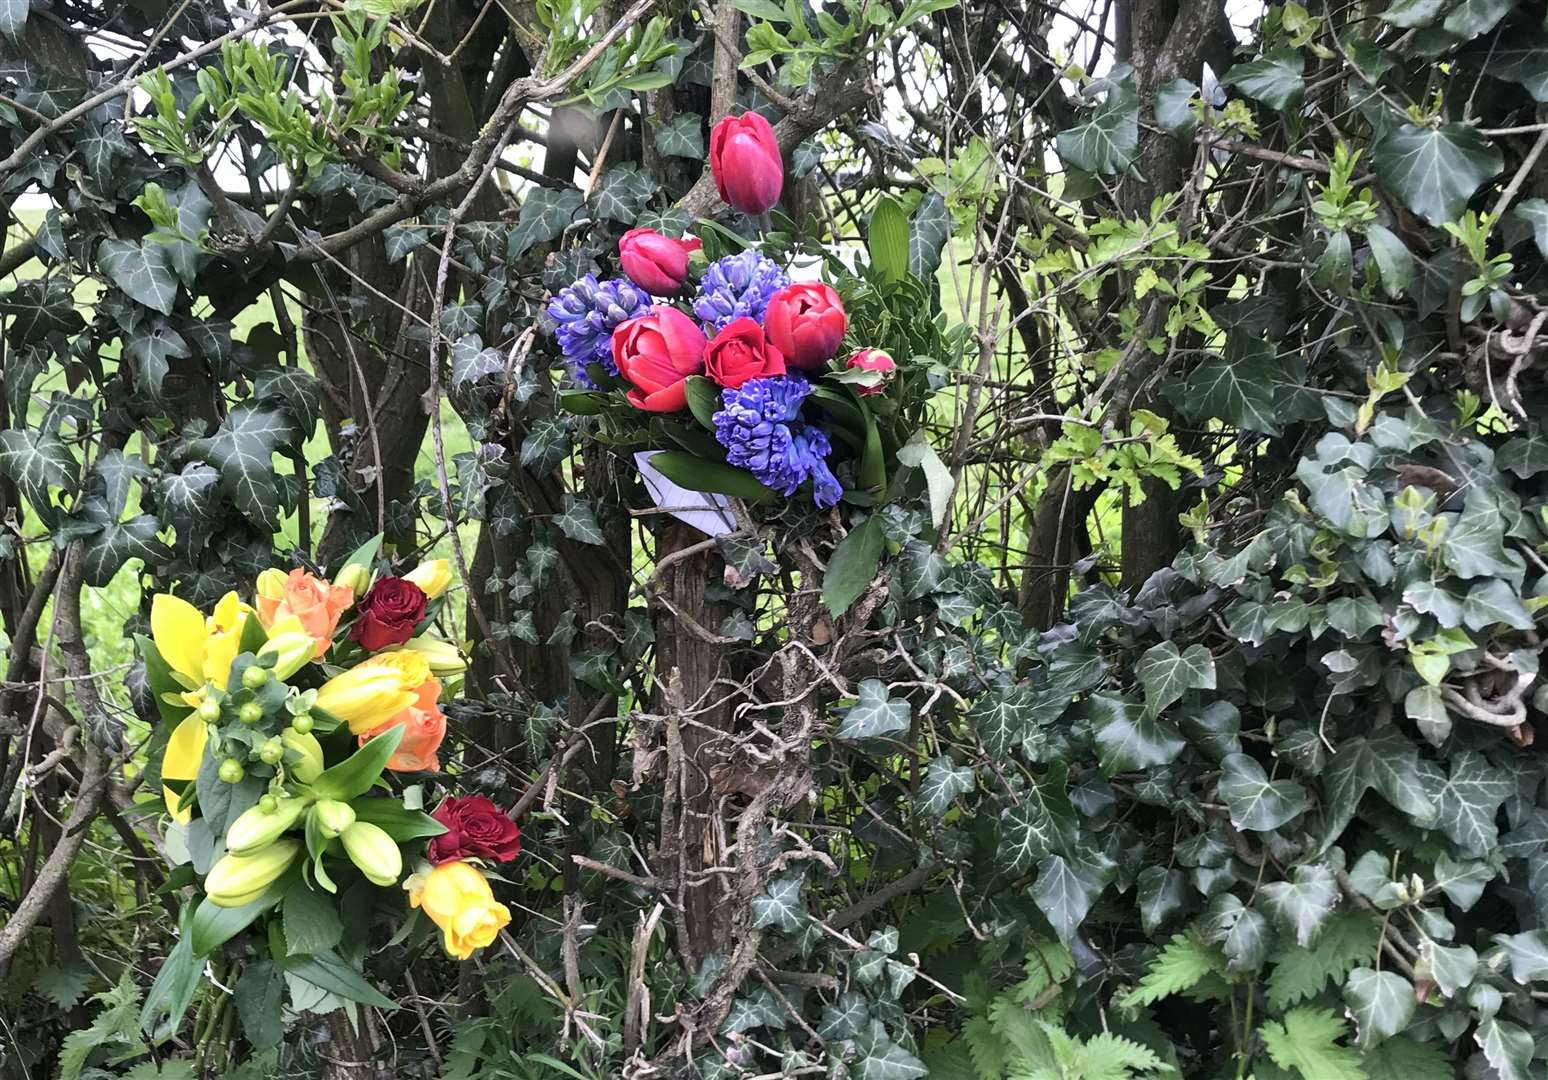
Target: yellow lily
[
  {"x": 433, "y": 577},
  {"x": 368, "y": 695},
  {"x": 185, "y": 750},
  {"x": 198, "y": 650}
]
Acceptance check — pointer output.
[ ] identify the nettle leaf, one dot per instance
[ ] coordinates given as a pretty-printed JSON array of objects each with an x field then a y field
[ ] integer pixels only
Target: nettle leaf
[
  {"x": 1256, "y": 803},
  {"x": 1468, "y": 804},
  {"x": 1274, "y": 80},
  {"x": 1066, "y": 888},
  {"x": 1167, "y": 673},
  {"x": 780, "y": 905},
  {"x": 875, "y": 714},
  {"x": 1306, "y": 1040},
  {"x": 545, "y": 213},
  {"x": 1128, "y": 739},
  {"x": 1349, "y": 939},
  {"x": 1303, "y": 904},
  {"x": 142, "y": 270},
  {"x": 1435, "y": 170},
  {"x": 578, "y": 522},
  {"x": 682, "y": 136},
  {"x": 943, "y": 781},
  {"x": 242, "y": 450},
  {"x": 1109, "y": 140},
  {"x": 1237, "y": 386},
  {"x": 1381, "y": 1003}
]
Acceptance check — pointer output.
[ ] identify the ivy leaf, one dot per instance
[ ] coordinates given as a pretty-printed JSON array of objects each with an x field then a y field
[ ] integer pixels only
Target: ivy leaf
[
  {"x": 1304, "y": 903},
  {"x": 38, "y": 308},
  {"x": 1522, "y": 57},
  {"x": 624, "y": 193},
  {"x": 1527, "y": 456},
  {"x": 921, "y": 569},
  {"x": 1381, "y": 1002},
  {"x": 927, "y": 233},
  {"x": 36, "y": 461},
  {"x": 298, "y": 391},
  {"x": 1387, "y": 762},
  {"x": 681, "y": 136},
  {"x": 1174, "y": 108},
  {"x": 1469, "y": 802},
  {"x": 1411, "y": 13},
  {"x": 546, "y": 445},
  {"x": 1528, "y": 954},
  {"x": 1237, "y": 386},
  {"x": 1167, "y": 674},
  {"x": 1255, "y": 802},
  {"x": 1473, "y": 17},
  {"x": 875, "y": 714},
  {"x": 13, "y": 16},
  {"x": 1161, "y": 892},
  {"x": 780, "y": 905},
  {"x": 402, "y": 240},
  {"x": 1435, "y": 170},
  {"x": 1306, "y": 1040},
  {"x": 1401, "y": 1058},
  {"x": 1040, "y": 824},
  {"x": 1066, "y": 888},
  {"x": 1475, "y": 545},
  {"x": 1493, "y": 602},
  {"x": 545, "y": 213},
  {"x": 1004, "y": 718},
  {"x": 242, "y": 450},
  {"x": 141, "y": 270},
  {"x": 578, "y": 522},
  {"x": 943, "y": 781},
  {"x": 879, "y": 1058},
  {"x": 1507, "y": 1048},
  {"x": 1109, "y": 140},
  {"x": 104, "y": 553},
  {"x": 1127, "y": 740},
  {"x": 1452, "y": 969},
  {"x": 1274, "y": 80}
]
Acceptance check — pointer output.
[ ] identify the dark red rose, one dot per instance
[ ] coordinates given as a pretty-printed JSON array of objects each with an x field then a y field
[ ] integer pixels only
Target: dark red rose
[
  {"x": 388, "y": 614},
  {"x": 740, "y": 352},
  {"x": 475, "y": 829}
]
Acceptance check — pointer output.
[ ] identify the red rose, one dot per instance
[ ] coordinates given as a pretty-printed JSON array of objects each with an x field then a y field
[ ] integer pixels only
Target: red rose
[
  {"x": 388, "y": 613},
  {"x": 657, "y": 353},
  {"x": 805, "y": 323},
  {"x": 740, "y": 352},
  {"x": 475, "y": 829},
  {"x": 872, "y": 360},
  {"x": 658, "y": 264},
  {"x": 745, "y": 159}
]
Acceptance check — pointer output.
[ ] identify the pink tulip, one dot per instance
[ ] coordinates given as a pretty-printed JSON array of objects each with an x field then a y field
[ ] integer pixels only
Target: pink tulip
[
  {"x": 658, "y": 264},
  {"x": 657, "y": 353},
  {"x": 745, "y": 159},
  {"x": 806, "y": 322}
]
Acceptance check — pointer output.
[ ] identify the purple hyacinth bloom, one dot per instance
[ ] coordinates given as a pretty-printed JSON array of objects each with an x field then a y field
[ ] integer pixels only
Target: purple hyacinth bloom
[
  {"x": 735, "y": 286},
  {"x": 585, "y": 315},
  {"x": 761, "y": 429}
]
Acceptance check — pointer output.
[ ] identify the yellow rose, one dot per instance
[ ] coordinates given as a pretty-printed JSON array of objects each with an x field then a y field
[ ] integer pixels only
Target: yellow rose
[
  {"x": 458, "y": 900},
  {"x": 433, "y": 577}
]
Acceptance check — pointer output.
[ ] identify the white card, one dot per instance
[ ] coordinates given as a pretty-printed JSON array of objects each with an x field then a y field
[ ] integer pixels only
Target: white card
[{"x": 715, "y": 519}]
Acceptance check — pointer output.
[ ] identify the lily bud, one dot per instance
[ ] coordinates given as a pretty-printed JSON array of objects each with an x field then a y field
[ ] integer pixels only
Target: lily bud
[
  {"x": 333, "y": 817},
  {"x": 310, "y": 765},
  {"x": 356, "y": 577},
  {"x": 373, "y": 851},
  {"x": 366, "y": 696},
  {"x": 271, "y": 584},
  {"x": 443, "y": 657},
  {"x": 240, "y": 879},
  {"x": 433, "y": 577},
  {"x": 292, "y": 650},
  {"x": 257, "y": 828}
]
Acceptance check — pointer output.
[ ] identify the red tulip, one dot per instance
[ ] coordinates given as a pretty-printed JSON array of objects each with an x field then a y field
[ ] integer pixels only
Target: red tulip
[
  {"x": 872, "y": 360},
  {"x": 806, "y": 322},
  {"x": 744, "y": 156},
  {"x": 741, "y": 352},
  {"x": 658, "y": 264},
  {"x": 657, "y": 353}
]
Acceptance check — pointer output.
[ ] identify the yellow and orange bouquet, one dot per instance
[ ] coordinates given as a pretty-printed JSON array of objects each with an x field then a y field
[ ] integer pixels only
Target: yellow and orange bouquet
[{"x": 281, "y": 721}]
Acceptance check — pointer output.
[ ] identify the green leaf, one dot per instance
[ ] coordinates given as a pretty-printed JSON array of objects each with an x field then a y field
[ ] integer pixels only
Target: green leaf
[
  {"x": 1276, "y": 81},
  {"x": 780, "y": 905},
  {"x": 259, "y": 996},
  {"x": 1109, "y": 140},
  {"x": 1402, "y": 1058},
  {"x": 242, "y": 451},
  {"x": 174, "y": 988},
  {"x": 1174, "y": 108},
  {"x": 1237, "y": 386},
  {"x": 1435, "y": 170},
  {"x": 1167, "y": 674},
  {"x": 1393, "y": 260},
  {"x": 1041, "y": 823},
  {"x": 875, "y": 714},
  {"x": 1306, "y": 1040},
  {"x": 327, "y": 971},
  {"x": 1469, "y": 802},
  {"x": 397, "y": 820},
  {"x": 682, "y": 136},
  {"x": 311, "y": 921},
  {"x": 1303, "y": 904},
  {"x": 927, "y": 234},
  {"x": 943, "y": 781},
  {"x": 1129, "y": 740},
  {"x": 141, "y": 270},
  {"x": 853, "y": 565},
  {"x": 697, "y": 474},
  {"x": 1348, "y": 939},
  {"x": 1410, "y": 13},
  {"x": 1183, "y": 963},
  {"x": 1381, "y": 1003},
  {"x": 1255, "y": 802},
  {"x": 887, "y": 240},
  {"x": 545, "y": 213},
  {"x": 918, "y": 453},
  {"x": 356, "y": 774},
  {"x": 578, "y": 522},
  {"x": 1066, "y": 888},
  {"x": 1507, "y": 1048}
]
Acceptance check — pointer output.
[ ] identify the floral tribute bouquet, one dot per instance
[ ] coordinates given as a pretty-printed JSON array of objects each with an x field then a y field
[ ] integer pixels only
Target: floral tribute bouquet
[
  {"x": 743, "y": 377},
  {"x": 282, "y": 723}
]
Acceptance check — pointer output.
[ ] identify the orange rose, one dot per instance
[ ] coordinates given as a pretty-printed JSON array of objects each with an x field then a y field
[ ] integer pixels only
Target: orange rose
[
  {"x": 424, "y": 726},
  {"x": 314, "y": 602}
]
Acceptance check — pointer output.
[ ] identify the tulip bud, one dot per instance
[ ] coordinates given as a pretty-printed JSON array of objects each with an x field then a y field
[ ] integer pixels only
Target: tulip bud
[
  {"x": 257, "y": 828},
  {"x": 240, "y": 879},
  {"x": 271, "y": 584},
  {"x": 443, "y": 657},
  {"x": 872, "y": 360},
  {"x": 309, "y": 765},
  {"x": 292, "y": 651},
  {"x": 356, "y": 577},
  {"x": 745, "y": 161},
  {"x": 432, "y": 577},
  {"x": 333, "y": 817},
  {"x": 656, "y": 263},
  {"x": 373, "y": 851}
]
